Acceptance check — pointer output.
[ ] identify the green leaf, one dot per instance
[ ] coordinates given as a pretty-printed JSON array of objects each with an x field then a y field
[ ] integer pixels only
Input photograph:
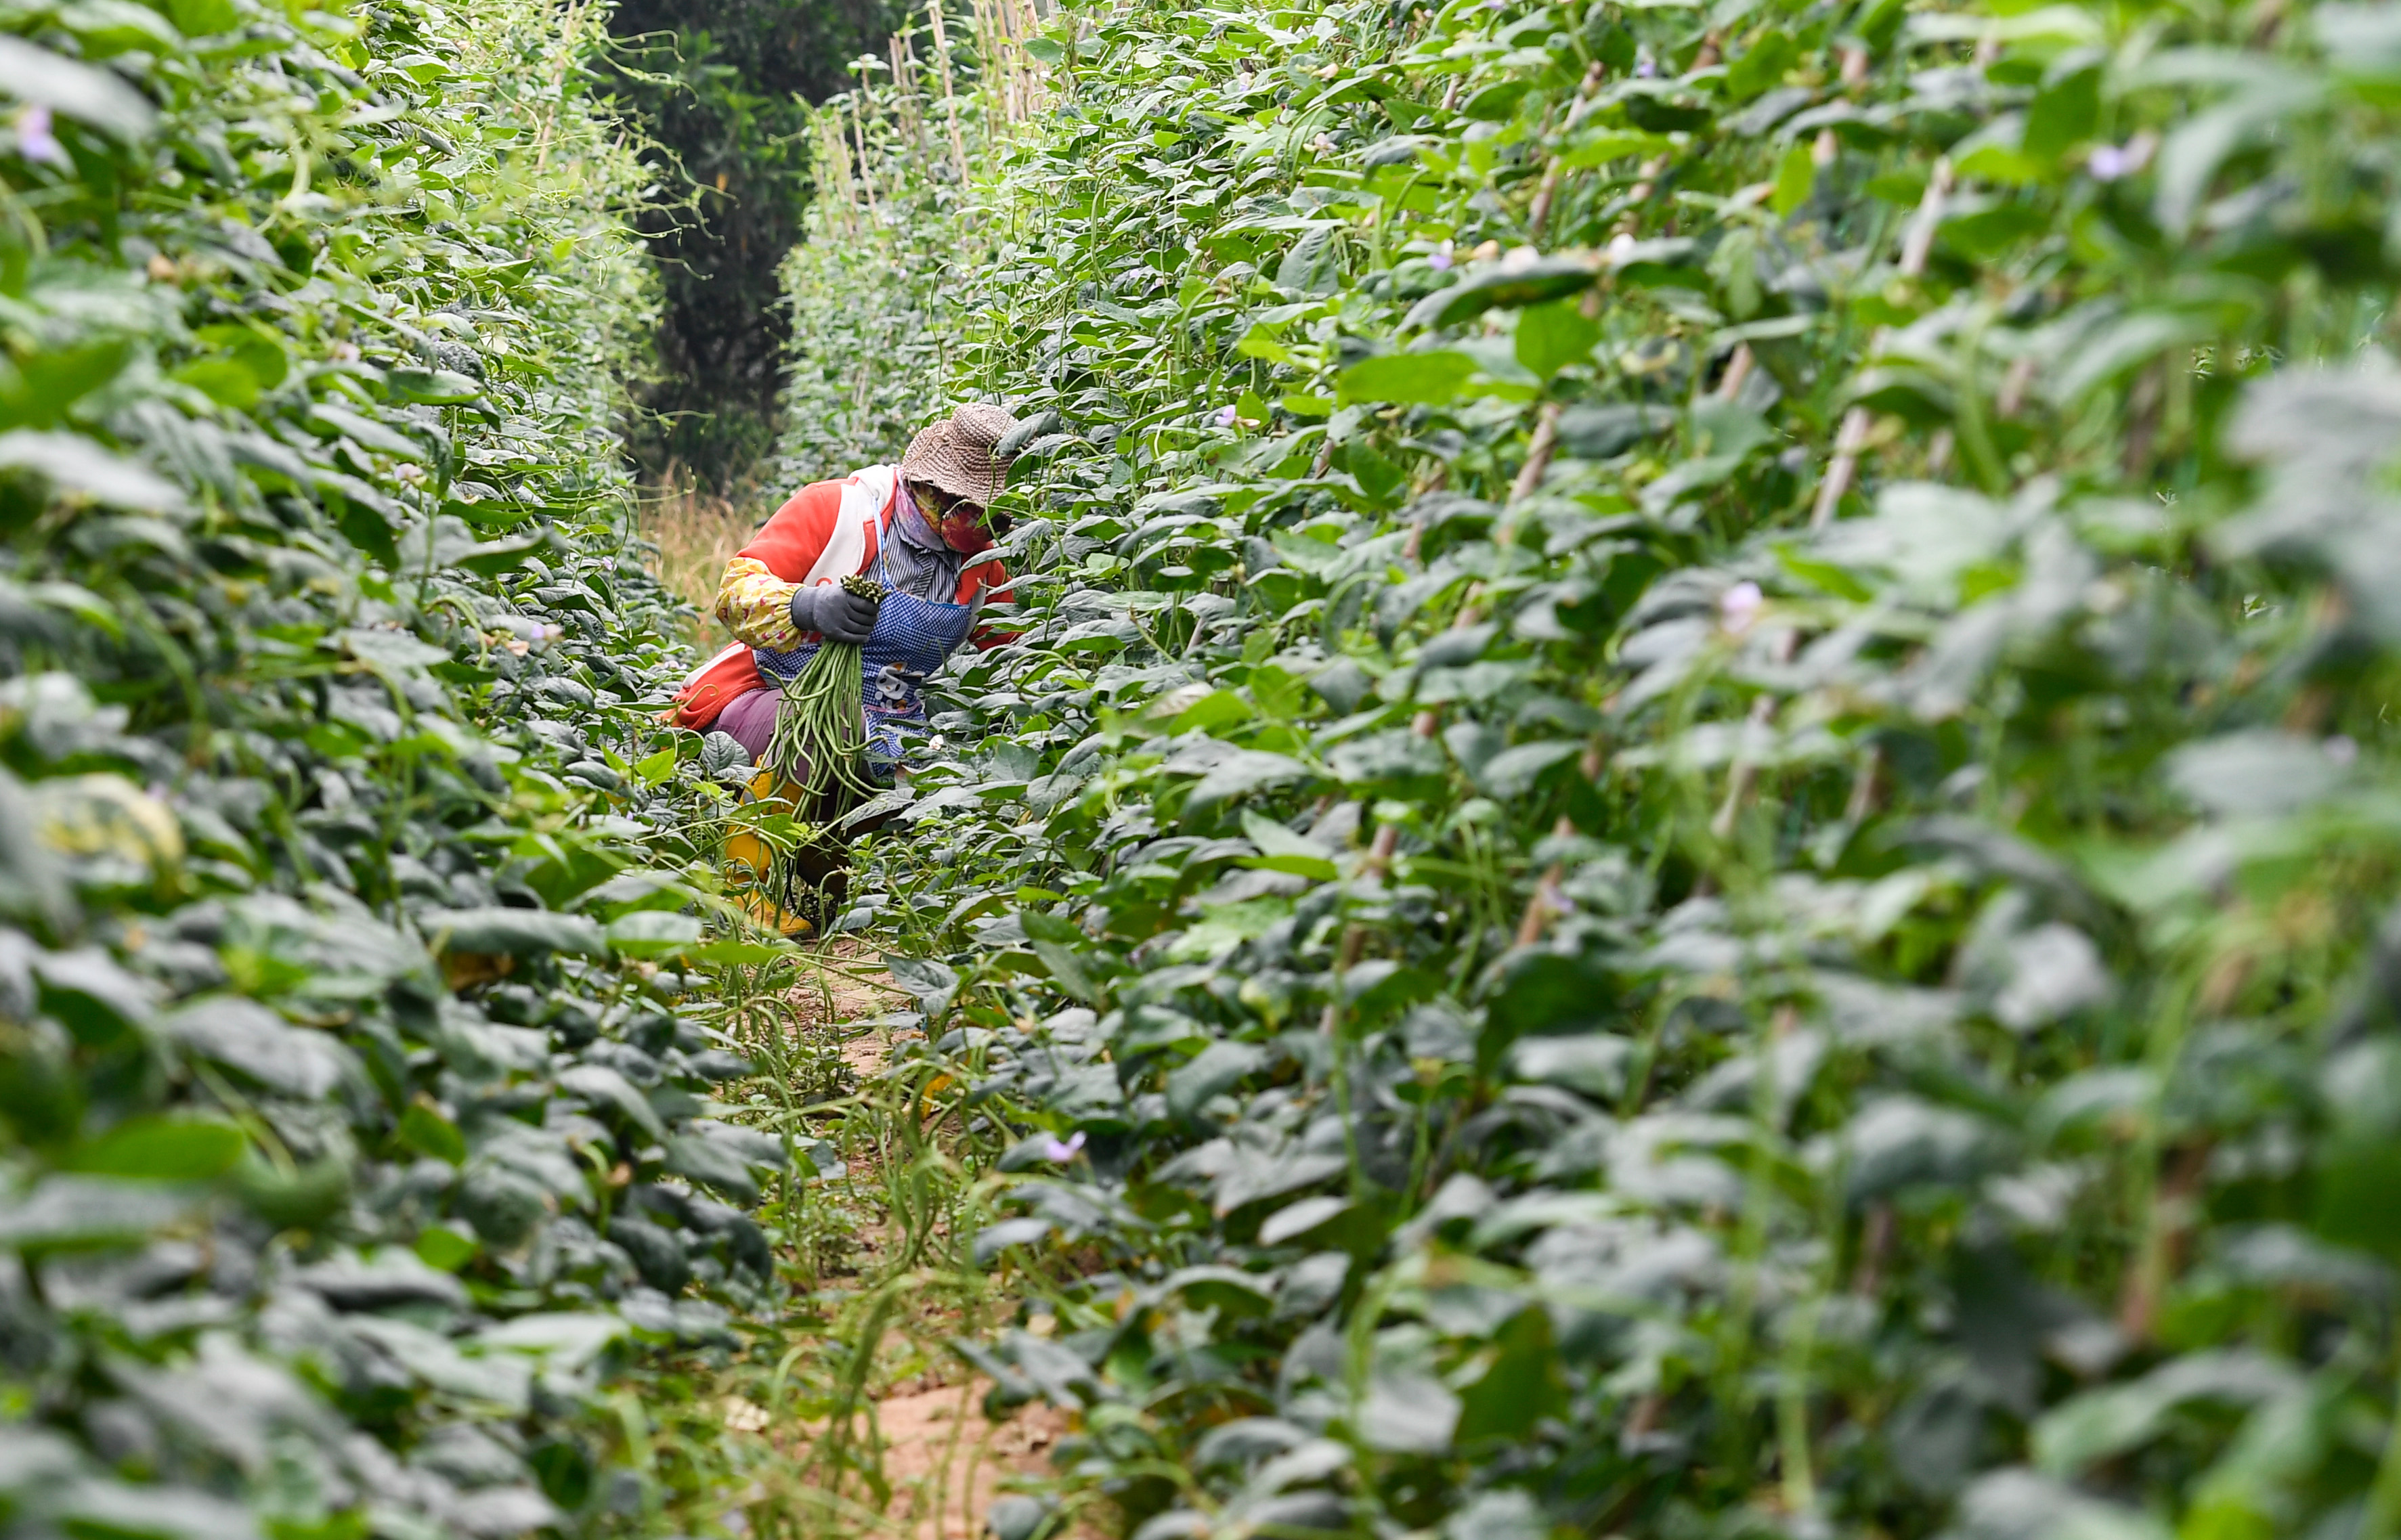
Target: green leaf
[
  {"x": 1594, "y": 1063},
  {"x": 225, "y": 381},
  {"x": 652, "y": 932},
  {"x": 733, "y": 953},
  {"x": 2201, "y": 142},
  {"x": 604, "y": 1088},
  {"x": 89, "y": 1210},
  {"x": 934, "y": 983},
  {"x": 431, "y": 386},
  {"x": 329, "y": 421},
  {"x": 1521, "y": 1386},
  {"x": 2107, "y": 1421},
  {"x": 1796, "y": 177},
  {"x": 1066, "y": 970},
  {"x": 204, "y": 18},
  {"x": 1217, "y": 1068},
  {"x": 1242, "y": 772},
  {"x": 1550, "y": 337},
  {"x": 73, "y": 463},
  {"x": 523, "y": 932},
  {"x": 170, "y": 1149},
  {"x": 440, "y": 1246},
  {"x": 1512, "y": 281},
  {"x": 302, "y": 1196},
  {"x": 425, "y": 1130},
  {"x": 714, "y": 1163},
  {"x": 1408, "y": 377},
  {"x": 1408, "y": 1412},
  {"x": 1607, "y": 145},
  {"x": 96, "y": 97},
  {"x": 1762, "y": 65}
]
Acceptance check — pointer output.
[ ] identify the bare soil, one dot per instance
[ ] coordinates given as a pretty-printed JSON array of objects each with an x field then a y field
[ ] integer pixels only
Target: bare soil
[{"x": 946, "y": 1461}]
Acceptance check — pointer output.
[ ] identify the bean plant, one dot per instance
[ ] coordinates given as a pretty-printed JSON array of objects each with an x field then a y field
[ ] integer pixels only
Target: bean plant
[
  {"x": 360, "y": 1153},
  {"x": 1691, "y": 831}
]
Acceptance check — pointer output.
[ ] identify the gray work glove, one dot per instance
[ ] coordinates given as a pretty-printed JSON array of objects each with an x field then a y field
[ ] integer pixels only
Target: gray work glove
[{"x": 834, "y": 610}]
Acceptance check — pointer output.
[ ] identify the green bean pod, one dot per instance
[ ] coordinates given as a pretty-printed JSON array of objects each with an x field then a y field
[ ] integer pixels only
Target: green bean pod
[{"x": 820, "y": 738}]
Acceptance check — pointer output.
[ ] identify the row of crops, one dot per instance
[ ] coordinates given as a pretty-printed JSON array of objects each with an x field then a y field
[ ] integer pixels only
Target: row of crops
[
  {"x": 1694, "y": 830},
  {"x": 359, "y": 1130}
]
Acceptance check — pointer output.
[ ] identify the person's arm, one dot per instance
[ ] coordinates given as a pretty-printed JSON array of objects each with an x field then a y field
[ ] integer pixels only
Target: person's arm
[
  {"x": 755, "y": 598},
  {"x": 987, "y": 583}
]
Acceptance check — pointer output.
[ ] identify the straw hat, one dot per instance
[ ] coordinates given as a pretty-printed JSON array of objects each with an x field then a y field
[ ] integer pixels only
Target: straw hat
[{"x": 957, "y": 455}]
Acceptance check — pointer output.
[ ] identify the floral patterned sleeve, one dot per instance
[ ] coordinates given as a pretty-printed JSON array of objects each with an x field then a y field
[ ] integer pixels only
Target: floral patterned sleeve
[{"x": 757, "y": 606}]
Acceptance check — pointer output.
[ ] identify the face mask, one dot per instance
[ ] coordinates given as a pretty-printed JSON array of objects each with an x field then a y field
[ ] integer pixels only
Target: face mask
[{"x": 961, "y": 529}]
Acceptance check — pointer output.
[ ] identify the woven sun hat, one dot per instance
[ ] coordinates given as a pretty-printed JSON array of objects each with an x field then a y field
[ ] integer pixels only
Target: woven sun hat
[{"x": 958, "y": 455}]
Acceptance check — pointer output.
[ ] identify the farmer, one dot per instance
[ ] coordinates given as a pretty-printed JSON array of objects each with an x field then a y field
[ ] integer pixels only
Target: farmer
[{"x": 918, "y": 528}]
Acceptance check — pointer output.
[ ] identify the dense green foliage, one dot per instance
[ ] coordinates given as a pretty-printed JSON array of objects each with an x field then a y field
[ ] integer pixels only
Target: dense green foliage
[
  {"x": 355, "y": 1144},
  {"x": 721, "y": 92},
  {"x": 1693, "y": 833},
  {"x": 873, "y": 317}
]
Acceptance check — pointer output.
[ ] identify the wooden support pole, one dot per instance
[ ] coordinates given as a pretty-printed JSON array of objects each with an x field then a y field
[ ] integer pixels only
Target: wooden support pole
[
  {"x": 1851, "y": 438},
  {"x": 950, "y": 98},
  {"x": 866, "y": 172}
]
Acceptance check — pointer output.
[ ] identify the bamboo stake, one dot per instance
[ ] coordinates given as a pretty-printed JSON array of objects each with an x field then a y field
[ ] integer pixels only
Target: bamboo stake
[
  {"x": 996, "y": 68},
  {"x": 950, "y": 99},
  {"x": 1530, "y": 475},
  {"x": 1851, "y": 438},
  {"x": 866, "y": 172},
  {"x": 1738, "y": 369},
  {"x": 837, "y": 155},
  {"x": 904, "y": 88},
  {"x": 1037, "y": 76}
]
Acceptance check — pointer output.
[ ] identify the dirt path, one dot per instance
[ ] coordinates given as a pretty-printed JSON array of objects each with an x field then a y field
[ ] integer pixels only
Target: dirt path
[{"x": 944, "y": 1461}]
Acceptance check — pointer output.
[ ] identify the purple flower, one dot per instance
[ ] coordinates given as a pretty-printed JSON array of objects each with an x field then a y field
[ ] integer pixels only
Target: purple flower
[
  {"x": 1225, "y": 415},
  {"x": 35, "y": 140},
  {"x": 1737, "y": 605},
  {"x": 1439, "y": 261},
  {"x": 2108, "y": 162},
  {"x": 1645, "y": 67},
  {"x": 1061, "y": 1151}
]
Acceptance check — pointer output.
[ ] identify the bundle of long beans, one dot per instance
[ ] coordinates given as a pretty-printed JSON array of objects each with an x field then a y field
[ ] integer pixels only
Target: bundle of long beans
[{"x": 820, "y": 740}]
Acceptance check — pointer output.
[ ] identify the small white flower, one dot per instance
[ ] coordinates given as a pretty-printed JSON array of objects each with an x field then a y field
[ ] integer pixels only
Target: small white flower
[
  {"x": 2108, "y": 162},
  {"x": 2341, "y": 749},
  {"x": 1739, "y": 605},
  {"x": 34, "y": 139}
]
